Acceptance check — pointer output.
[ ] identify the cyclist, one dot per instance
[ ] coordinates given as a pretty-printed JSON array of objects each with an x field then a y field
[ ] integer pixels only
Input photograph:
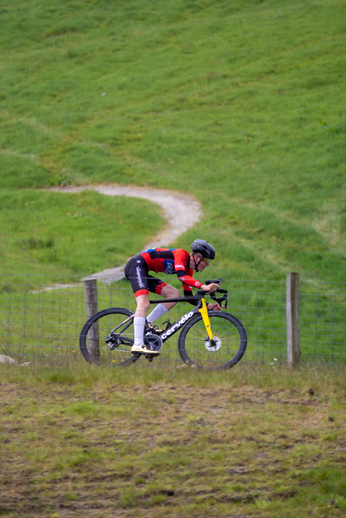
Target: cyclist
[{"x": 172, "y": 261}]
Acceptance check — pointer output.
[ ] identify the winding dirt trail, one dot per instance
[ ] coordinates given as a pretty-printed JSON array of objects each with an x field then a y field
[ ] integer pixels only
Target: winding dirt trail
[{"x": 181, "y": 211}]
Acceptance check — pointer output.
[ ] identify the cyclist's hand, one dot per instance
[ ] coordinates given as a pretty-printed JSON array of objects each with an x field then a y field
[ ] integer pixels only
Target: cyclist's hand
[
  {"x": 215, "y": 306},
  {"x": 210, "y": 288}
]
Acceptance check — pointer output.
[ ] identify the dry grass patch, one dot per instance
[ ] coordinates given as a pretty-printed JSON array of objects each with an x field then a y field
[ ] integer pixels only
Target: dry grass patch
[{"x": 113, "y": 445}]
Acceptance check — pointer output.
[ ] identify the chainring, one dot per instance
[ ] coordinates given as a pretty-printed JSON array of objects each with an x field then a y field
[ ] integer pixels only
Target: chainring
[{"x": 153, "y": 342}]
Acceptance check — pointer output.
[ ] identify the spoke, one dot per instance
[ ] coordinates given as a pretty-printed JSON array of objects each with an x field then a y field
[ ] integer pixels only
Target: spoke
[{"x": 197, "y": 343}]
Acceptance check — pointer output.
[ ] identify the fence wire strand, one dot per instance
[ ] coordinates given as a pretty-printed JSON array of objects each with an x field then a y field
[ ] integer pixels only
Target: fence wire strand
[{"x": 41, "y": 320}]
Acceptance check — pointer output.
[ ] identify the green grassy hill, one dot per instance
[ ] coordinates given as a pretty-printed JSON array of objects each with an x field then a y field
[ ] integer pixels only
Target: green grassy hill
[{"x": 241, "y": 104}]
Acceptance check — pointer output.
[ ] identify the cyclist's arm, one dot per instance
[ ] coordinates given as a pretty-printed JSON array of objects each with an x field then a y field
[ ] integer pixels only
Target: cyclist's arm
[
  {"x": 210, "y": 288},
  {"x": 187, "y": 279},
  {"x": 188, "y": 282},
  {"x": 215, "y": 306}
]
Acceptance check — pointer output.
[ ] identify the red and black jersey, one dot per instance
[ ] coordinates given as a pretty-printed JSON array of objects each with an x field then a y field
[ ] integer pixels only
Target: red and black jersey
[{"x": 173, "y": 260}]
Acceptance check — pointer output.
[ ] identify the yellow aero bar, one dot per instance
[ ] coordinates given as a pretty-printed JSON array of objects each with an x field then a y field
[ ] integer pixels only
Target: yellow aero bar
[{"x": 204, "y": 312}]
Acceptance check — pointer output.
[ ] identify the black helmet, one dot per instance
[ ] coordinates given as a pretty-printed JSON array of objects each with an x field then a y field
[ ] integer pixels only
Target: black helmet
[{"x": 203, "y": 247}]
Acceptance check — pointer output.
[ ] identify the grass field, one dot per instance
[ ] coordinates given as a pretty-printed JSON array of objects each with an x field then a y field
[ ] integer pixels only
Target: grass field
[
  {"x": 57, "y": 234},
  {"x": 88, "y": 442},
  {"x": 240, "y": 104}
]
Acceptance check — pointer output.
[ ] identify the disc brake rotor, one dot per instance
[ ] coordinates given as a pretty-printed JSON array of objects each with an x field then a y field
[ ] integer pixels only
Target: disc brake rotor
[{"x": 214, "y": 344}]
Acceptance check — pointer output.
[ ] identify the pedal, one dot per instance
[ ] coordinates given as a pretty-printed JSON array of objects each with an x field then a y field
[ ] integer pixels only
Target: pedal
[{"x": 150, "y": 357}]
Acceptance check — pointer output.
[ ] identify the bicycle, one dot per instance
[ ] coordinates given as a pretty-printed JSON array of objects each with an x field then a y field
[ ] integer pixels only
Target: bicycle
[{"x": 209, "y": 340}]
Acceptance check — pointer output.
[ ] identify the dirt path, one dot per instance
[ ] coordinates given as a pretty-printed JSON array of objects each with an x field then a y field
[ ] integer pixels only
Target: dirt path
[{"x": 181, "y": 211}]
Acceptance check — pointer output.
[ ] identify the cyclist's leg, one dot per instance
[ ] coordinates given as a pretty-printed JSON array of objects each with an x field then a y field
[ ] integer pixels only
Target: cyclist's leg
[
  {"x": 139, "y": 318},
  {"x": 136, "y": 272},
  {"x": 167, "y": 291},
  {"x": 170, "y": 293}
]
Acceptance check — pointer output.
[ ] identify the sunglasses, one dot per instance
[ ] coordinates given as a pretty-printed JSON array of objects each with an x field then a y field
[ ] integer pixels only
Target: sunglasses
[{"x": 206, "y": 261}]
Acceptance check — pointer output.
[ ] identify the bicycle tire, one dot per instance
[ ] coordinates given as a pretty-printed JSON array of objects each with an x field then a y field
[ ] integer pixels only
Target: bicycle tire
[
  {"x": 93, "y": 337},
  {"x": 196, "y": 350}
]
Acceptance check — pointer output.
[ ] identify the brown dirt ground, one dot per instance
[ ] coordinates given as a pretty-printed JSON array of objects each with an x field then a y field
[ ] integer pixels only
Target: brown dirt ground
[{"x": 158, "y": 450}]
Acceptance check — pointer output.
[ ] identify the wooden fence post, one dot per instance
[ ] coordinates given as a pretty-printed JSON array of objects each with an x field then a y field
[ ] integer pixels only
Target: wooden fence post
[
  {"x": 292, "y": 319},
  {"x": 90, "y": 290}
]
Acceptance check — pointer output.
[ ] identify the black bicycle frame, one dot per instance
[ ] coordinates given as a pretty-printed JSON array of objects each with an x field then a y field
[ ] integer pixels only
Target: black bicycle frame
[
  {"x": 200, "y": 296},
  {"x": 178, "y": 325},
  {"x": 172, "y": 330}
]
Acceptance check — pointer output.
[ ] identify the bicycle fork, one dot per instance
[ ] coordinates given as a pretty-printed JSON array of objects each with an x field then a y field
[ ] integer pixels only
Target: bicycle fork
[{"x": 204, "y": 312}]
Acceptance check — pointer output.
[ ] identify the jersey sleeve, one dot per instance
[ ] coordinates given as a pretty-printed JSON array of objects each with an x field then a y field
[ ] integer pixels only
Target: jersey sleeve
[
  {"x": 188, "y": 281},
  {"x": 184, "y": 274}
]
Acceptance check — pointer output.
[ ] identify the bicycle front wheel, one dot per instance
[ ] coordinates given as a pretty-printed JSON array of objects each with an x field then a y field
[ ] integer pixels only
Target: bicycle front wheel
[
  {"x": 222, "y": 352},
  {"x": 107, "y": 338}
]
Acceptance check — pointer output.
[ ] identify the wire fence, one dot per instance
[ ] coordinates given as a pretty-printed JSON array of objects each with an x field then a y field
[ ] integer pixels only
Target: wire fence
[{"x": 41, "y": 319}]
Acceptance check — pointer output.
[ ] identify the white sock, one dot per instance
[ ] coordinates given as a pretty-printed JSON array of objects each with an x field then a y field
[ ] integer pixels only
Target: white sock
[
  {"x": 139, "y": 324},
  {"x": 156, "y": 313}
]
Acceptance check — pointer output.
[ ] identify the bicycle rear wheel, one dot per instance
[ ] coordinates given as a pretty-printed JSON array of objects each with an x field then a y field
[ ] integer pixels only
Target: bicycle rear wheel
[
  {"x": 107, "y": 338},
  {"x": 223, "y": 352}
]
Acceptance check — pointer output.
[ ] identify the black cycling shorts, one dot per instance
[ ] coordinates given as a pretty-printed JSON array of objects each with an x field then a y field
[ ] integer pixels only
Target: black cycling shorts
[{"x": 136, "y": 271}]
